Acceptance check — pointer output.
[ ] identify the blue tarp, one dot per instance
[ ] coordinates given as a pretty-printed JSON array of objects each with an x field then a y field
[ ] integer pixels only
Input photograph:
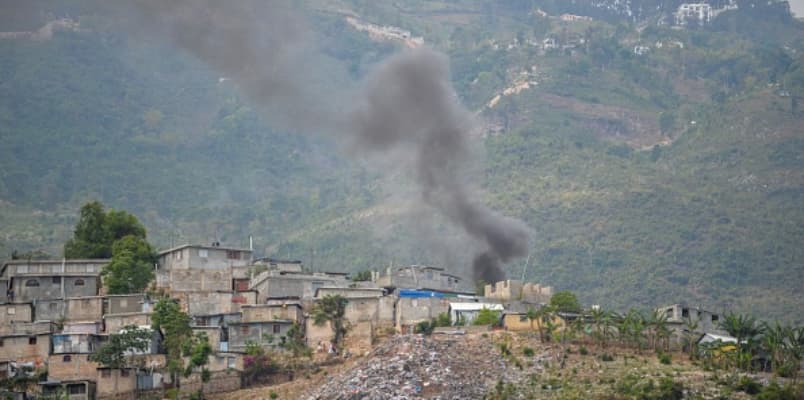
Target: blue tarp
[{"x": 411, "y": 293}]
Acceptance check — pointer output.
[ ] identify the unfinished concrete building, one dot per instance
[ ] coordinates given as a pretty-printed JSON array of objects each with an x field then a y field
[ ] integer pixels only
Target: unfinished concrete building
[
  {"x": 419, "y": 277},
  {"x": 201, "y": 268},
  {"x": 283, "y": 284},
  {"x": 515, "y": 291},
  {"x": 29, "y": 280}
]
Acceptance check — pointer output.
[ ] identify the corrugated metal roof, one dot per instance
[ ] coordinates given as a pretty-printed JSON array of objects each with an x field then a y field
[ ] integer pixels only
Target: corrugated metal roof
[{"x": 476, "y": 306}]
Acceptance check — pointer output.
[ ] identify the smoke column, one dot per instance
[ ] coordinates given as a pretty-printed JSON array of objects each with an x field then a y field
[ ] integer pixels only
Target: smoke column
[{"x": 406, "y": 106}]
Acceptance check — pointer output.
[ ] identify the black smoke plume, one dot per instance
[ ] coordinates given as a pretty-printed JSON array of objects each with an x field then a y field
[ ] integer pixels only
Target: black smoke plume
[{"x": 405, "y": 107}]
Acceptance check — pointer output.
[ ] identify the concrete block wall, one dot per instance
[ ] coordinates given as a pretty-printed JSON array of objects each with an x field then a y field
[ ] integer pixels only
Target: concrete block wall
[
  {"x": 26, "y": 348},
  {"x": 71, "y": 367},
  {"x": 268, "y": 312},
  {"x": 113, "y": 323},
  {"x": 115, "y": 383},
  {"x": 22, "y": 312},
  {"x": 199, "y": 280}
]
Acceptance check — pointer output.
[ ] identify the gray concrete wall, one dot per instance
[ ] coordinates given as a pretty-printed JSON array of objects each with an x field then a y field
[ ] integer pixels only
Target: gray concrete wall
[
  {"x": 71, "y": 309},
  {"x": 124, "y": 304},
  {"x": 26, "y": 348},
  {"x": 200, "y": 280},
  {"x": 302, "y": 286},
  {"x": 15, "y": 312},
  {"x": 29, "y": 288},
  {"x": 205, "y": 258},
  {"x": 207, "y": 303},
  {"x": 242, "y": 333},
  {"x": 412, "y": 311},
  {"x": 348, "y": 292},
  {"x": 113, "y": 323},
  {"x": 265, "y": 312}
]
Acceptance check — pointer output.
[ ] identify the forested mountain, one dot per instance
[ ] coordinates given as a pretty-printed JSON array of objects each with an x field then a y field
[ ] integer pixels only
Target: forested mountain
[{"x": 653, "y": 163}]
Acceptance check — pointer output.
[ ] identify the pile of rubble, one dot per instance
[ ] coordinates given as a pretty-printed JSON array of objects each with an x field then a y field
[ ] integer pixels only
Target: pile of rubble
[{"x": 418, "y": 367}]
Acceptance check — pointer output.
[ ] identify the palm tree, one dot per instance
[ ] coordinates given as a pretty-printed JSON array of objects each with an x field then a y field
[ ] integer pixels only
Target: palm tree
[
  {"x": 795, "y": 345},
  {"x": 532, "y": 315},
  {"x": 657, "y": 328},
  {"x": 744, "y": 329},
  {"x": 690, "y": 338},
  {"x": 773, "y": 341},
  {"x": 602, "y": 325}
]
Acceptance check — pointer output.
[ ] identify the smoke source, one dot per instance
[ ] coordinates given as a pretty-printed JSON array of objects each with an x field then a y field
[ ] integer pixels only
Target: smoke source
[{"x": 405, "y": 107}]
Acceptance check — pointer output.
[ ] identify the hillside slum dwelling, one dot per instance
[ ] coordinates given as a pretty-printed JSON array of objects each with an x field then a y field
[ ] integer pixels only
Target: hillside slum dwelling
[{"x": 54, "y": 314}]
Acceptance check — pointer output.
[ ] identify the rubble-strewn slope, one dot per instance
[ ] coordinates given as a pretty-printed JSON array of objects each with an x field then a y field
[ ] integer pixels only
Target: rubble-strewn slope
[{"x": 413, "y": 366}]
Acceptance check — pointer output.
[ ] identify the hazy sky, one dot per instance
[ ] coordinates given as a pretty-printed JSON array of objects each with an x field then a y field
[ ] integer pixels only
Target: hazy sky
[{"x": 798, "y": 7}]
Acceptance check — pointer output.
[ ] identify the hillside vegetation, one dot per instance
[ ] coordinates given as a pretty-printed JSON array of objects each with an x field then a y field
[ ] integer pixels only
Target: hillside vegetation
[{"x": 667, "y": 176}]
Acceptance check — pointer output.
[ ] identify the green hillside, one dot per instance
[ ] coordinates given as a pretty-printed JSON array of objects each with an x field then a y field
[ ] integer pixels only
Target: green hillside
[{"x": 674, "y": 175}]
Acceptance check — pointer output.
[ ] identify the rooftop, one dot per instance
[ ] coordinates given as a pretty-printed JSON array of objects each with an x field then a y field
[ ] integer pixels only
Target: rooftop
[{"x": 198, "y": 246}]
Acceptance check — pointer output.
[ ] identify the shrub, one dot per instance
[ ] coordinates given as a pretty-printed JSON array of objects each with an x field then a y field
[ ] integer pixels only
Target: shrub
[
  {"x": 664, "y": 358},
  {"x": 504, "y": 350},
  {"x": 748, "y": 385},
  {"x": 424, "y": 327},
  {"x": 487, "y": 317},
  {"x": 776, "y": 392},
  {"x": 273, "y": 395},
  {"x": 528, "y": 352},
  {"x": 606, "y": 357},
  {"x": 583, "y": 351}
]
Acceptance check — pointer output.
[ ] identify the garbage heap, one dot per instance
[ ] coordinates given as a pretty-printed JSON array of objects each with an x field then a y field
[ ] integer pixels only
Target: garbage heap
[{"x": 420, "y": 367}]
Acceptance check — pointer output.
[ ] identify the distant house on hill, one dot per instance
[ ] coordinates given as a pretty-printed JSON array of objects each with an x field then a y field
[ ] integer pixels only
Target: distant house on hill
[
  {"x": 683, "y": 319},
  {"x": 699, "y": 12}
]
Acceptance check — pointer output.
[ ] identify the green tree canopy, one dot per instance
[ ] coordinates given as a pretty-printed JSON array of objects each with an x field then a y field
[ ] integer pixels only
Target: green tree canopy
[
  {"x": 131, "y": 268},
  {"x": 175, "y": 326},
  {"x": 97, "y": 230},
  {"x": 565, "y": 301},
  {"x": 332, "y": 309},
  {"x": 113, "y": 353}
]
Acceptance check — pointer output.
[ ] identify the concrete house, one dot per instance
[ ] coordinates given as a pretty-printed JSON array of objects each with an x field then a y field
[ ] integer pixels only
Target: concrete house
[
  {"x": 264, "y": 333},
  {"x": 513, "y": 290},
  {"x": 200, "y": 268},
  {"x": 51, "y": 279},
  {"x": 419, "y": 277},
  {"x": 73, "y": 390},
  {"x": 282, "y": 284},
  {"x": 700, "y": 12},
  {"x": 71, "y": 367},
  {"x": 679, "y": 317},
  {"x": 115, "y": 383},
  {"x": 29, "y": 348},
  {"x": 126, "y": 303},
  {"x": 415, "y": 306}
]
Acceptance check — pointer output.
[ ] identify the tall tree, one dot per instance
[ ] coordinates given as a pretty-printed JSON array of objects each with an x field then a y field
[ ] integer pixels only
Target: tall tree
[
  {"x": 332, "y": 309},
  {"x": 91, "y": 238},
  {"x": 97, "y": 230},
  {"x": 131, "y": 268},
  {"x": 175, "y": 327},
  {"x": 565, "y": 301}
]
